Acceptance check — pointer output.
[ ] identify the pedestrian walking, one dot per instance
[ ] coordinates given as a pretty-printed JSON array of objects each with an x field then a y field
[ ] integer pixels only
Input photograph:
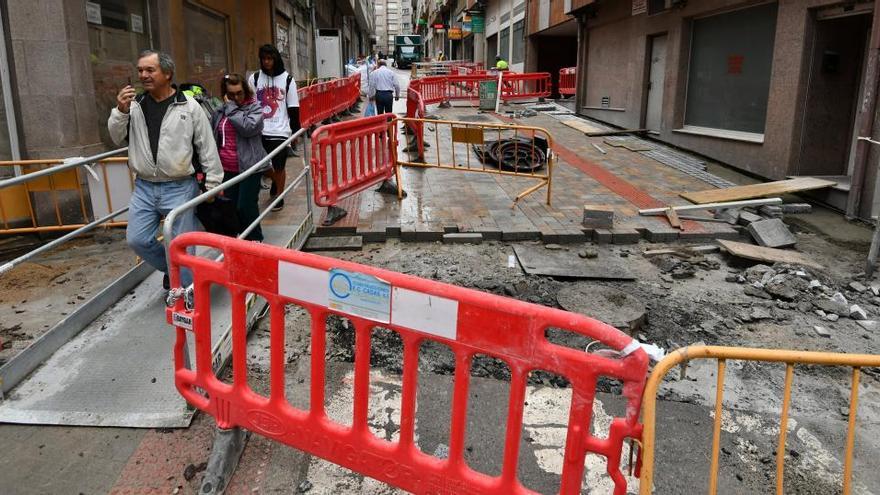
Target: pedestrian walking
[
  {"x": 277, "y": 94},
  {"x": 164, "y": 130},
  {"x": 238, "y": 127},
  {"x": 384, "y": 89}
]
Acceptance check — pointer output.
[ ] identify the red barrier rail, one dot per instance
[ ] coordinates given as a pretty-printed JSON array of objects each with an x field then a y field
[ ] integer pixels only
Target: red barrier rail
[
  {"x": 568, "y": 81},
  {"x": 350, "y": 156},
  {"x": 514, "y": 86},
  {"x": 323, "y": 100},
  {"x": 468, "y": 322}
]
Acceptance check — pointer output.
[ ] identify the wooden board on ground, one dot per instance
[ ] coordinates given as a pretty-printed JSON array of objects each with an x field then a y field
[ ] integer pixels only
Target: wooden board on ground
[
  {"x": 536, "y": 260},
  {"x": 581, "y": 126},
  {"x": 757, "y": 190},
  {"x": 770, "y": 255}
]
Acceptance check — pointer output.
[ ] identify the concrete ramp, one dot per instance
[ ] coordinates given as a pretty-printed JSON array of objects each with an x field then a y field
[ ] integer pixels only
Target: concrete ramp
[{"x": 118, "y": 371}]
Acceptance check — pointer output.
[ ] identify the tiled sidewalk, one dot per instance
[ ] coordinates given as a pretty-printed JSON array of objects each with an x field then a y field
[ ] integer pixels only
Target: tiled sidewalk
[{"x": 442, "y": 201}]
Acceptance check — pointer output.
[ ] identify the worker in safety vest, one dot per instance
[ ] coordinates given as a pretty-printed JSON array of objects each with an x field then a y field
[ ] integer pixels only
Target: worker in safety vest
[{"x": 500, "y": 63}]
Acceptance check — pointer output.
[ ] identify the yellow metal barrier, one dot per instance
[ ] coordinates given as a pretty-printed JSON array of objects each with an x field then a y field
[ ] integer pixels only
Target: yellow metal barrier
[
  {"x": 16, "y": 206},
  {"x": 722, "y": 354},
  {"x": 449, "y": 145}
]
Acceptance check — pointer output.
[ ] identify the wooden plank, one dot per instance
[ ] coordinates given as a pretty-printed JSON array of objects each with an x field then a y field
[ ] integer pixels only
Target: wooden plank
[
  {"x": 711, "y": 206},
  {"x": 757, "y": 190},
  {"x": 770, "y": 255},
  {"x": 582, "y": 126},
  {"x": 615, "y": 133},
  {"x": 673, "y": 218}
]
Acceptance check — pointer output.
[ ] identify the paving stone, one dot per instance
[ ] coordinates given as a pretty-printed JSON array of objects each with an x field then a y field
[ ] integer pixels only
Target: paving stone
[
  {"x": 520, "y": 235},
  {"x": 392, "y": 231},
  {"x": 429, "y": 235},
  {"x": 338, "y": 243},
  {"x": 772, "y": 233},
  {"x": 463, "y": 238},
  {"x": 490, "y": 234},
  {"x": 662, "y": 234},
  {"x": 373, "y": 235},
  {"x": 625, "y": 236},
  {"x": 598, "y": 216},
  {"x": 602, "y": 236},
  {"x": 746, "y": 218},
  {"x": 796, "y": 208},
  {"x": 407, "y": 235},
  {"x": 870, "y": 325}
]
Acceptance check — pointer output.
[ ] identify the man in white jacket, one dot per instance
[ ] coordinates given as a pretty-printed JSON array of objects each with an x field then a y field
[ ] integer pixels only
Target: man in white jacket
[{"x": 164, "y": 130}]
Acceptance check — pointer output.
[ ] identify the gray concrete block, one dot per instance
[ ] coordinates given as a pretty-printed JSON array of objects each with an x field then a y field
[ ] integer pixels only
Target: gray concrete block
[
  {"x": 429, "y": 236},
  {"x": 796, "y": 208},
  {"x": 392, "y": 231},
  {"x": 408, "y": 235},
  {"x": 490, "y": 234},
  {"x": 598, "y": 216},
  {"x": 520, "y": 235},
  {"x": 772, "y": 233},
  {"x": 374, "y": 235},
  {"x": 661, "y": 234},
  {"x": 625, "y": 236},
  {"x": 339, "y": 243},
  {"x": 602, "y": 236},
  {"x": 463, "y": 238},
  {"x": 772, "y": 211},
  {"x": 746, "y": 217}
]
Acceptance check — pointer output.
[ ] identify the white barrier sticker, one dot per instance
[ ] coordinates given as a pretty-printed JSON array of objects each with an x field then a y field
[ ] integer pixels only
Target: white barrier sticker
[
  {"x": 425, "y": 313},
  {"x": 360, "y": 295},
  {"x": 182, "y": 320},
  {"x": 303, "y": 283}
]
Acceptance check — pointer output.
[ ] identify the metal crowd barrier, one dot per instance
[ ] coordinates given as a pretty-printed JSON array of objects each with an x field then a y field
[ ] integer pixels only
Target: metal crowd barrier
[
  {"x": 468, "y": 322},
  {"x": 55, "y": 177},
  {"x": 420, "y": 69},
  {"x": 459, "y": 153},
  {"x": 722, "y": 355},
  {"x": 568, "y": 81}
]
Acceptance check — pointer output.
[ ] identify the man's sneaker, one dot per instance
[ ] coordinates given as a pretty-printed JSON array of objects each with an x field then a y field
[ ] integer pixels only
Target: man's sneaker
[
  {"x": 166, "y": 282},
  {"x": 273, "y": 191},
  {"x": 279, "y": 206},
  {"x": 265, "y": 182}
]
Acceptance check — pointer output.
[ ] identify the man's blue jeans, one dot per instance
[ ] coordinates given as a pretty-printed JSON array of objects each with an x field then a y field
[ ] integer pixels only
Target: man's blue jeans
[{"x": 150, "y": 202}]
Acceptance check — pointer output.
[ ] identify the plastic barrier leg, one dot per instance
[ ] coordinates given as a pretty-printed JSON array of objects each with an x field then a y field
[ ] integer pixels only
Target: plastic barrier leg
[{"x": 225, "y": 454}]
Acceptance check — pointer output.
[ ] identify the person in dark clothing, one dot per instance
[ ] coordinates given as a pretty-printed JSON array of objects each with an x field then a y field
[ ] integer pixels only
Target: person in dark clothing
[{"x": 277, "y": 94}]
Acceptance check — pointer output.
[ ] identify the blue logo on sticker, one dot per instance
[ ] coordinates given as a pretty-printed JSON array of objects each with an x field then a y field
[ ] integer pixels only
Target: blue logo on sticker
[{"x": 340, "y": 285}]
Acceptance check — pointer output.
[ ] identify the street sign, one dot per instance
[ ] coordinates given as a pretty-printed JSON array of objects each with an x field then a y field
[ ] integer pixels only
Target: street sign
[
  {"x": 478, "y": 23},
  {"x": 455, "y": 33}
]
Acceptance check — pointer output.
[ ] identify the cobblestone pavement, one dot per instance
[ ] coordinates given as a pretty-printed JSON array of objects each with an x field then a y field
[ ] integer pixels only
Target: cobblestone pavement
[{"x": 441, "y": 201}]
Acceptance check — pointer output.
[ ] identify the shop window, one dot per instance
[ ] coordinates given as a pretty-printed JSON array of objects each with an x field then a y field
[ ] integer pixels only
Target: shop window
[
  {"x": 504, "y": 43},
  {"x": 519, "y": 43},
  {"x": 729, "y": 73}
]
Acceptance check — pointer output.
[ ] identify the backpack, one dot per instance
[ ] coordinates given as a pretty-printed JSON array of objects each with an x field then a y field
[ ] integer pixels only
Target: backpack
[{"x": 197, "y": 92}]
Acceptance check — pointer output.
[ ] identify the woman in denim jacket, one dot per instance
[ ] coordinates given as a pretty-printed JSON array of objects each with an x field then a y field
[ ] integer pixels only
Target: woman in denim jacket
[{"x": 238, "y": 127}]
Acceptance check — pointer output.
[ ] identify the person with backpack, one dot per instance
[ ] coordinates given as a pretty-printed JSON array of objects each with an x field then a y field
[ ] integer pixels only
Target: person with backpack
[
  {"x": 238, "y": 127},
  {"x": 163, "y": 129},
  {"x": 277, "y": 94}
]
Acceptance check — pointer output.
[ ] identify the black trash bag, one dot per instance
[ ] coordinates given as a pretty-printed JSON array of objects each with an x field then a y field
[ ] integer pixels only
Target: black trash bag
[{"x": 220, "y": 216}]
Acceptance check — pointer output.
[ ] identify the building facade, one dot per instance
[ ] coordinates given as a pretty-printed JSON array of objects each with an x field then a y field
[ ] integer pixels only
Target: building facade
[
  {"x": 62, "y": 62},
  {"x": 393, "y": 17},
  {"x": 775, "y": 89}
]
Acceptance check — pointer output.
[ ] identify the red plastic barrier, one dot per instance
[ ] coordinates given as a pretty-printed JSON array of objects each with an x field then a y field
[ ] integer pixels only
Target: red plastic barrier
[
  {"x": 350, "y": 156},
  {"x": 323, "y": 100},
  {"x": 468, "y": 322},
  {"x": 525, "y": 86},
  {"x": 567, "y": 81},
  {"x": 415, "y": 108},
  {"x": 515, "y": 86}
]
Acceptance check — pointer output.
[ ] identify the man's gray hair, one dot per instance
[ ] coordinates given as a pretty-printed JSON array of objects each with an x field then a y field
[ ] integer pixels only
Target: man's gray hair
[{"x": 166, "y": 63}]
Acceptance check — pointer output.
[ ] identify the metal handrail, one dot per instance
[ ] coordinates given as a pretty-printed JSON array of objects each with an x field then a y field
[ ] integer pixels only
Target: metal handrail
[
  {"x": 210, "y": 194},
  {"x": 85, "y": 228},
  {"x": 80, "y": 162}
]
